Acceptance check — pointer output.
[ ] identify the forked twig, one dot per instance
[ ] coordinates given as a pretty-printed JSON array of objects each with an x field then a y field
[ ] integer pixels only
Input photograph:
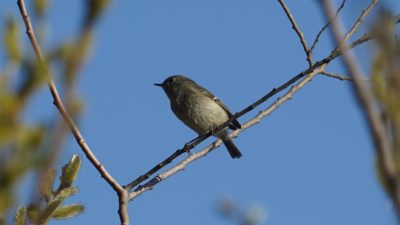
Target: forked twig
[
  {"x": 298, "y": 32},
  {"x": 181, "y": 165},
  {"x": 191, "y": 144},
  {"x": 327, "y": 25}
]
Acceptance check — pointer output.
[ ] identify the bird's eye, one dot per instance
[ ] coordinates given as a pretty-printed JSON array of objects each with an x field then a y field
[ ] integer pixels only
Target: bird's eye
[{"x": 170, "y": 80}]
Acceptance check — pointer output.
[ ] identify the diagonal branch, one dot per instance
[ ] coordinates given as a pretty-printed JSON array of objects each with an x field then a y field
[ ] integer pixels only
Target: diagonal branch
[
  {"x": 181, "y": 165},
  {"x": 327, "y": 25},
  {"x": 356, "y": 25},
  {"x": 193, "y": 143},
  {"x": 59, "y": 104},
  {"x": 68, "y": 119},
  {"x": 336, "y": 76},
  {"x": 298, "y": 32}
]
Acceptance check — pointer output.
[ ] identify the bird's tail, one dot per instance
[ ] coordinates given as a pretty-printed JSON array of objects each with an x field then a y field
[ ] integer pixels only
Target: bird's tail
[{"x": 232, "y": 149}]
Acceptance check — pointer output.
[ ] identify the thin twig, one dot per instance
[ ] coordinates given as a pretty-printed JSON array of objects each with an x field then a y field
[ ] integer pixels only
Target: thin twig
[
  {"x": 336, "y": 76},
  {"x": 377, "y": 127},
  {"x": 327, "y": 25},
  {"x": 355, "y": 26},
  {"x": 58, "y": 102},
  {"x": 193, "y": 143},
  {"x": 60, "y": 128},
  {"x": 298, "y": 32},
  {"x": 153, "y": 170},
  {"x": 182, "y": 165},
  {"x": 61, "y": 108}
]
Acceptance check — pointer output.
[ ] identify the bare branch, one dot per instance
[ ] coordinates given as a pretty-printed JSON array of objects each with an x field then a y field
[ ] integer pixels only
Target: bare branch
[
  {"x": 377, "y": 127},
  {"x": 327, "y": 25},
  {"x": 357, "y": 24},
  {"x": 58, "y": 102},
  {"x": 298, "y": 32},
  {"x": 336, "y": 76},
  {"x": 123, "y": 200},
  {"x": 67, "y": 118},
  {"x": 193, "y": 143},
  {"x": 182, "y": 165}
]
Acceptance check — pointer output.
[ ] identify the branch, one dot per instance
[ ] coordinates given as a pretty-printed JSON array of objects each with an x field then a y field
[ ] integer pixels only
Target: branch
[
  {"x": 72, "y": 66},
  {"x": 298, "y": 32},
  {"x": 123, "y": 199},
  {"x": 327, "y": 25},
  {"x": 67, "y": 118},
  {"x": 58, "y": 102},
  {"x": 193, "y": 143},
  {"x": 181, "y": 165},
  {"x": 377, "y": 127},
  {"x": 309, "y": 73},
  {"x": 368, "y": 36},
  {"x": 336, "y": 76},
  {"x": 355, "y": 26}
]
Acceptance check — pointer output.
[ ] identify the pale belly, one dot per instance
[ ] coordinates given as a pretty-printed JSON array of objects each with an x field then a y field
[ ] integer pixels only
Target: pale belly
[{"x": 204, "y": 114}]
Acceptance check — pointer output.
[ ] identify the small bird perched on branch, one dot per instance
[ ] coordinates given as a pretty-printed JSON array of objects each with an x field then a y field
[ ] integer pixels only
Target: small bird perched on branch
[{"x": 199, "y": 109}]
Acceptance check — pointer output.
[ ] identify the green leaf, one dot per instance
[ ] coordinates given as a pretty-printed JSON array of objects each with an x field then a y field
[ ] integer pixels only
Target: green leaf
[
  {"x": 34, "y": 76},
  {"x": 62, "y": 51},
  {"x": 77, "y": 105},
  {"x": 70, "y": 171},
  {"x": 20, "y": 215},
  {"x": 28, "y": 143},
  {"x": 48, "y": 212},
  {"x": 11, "y": 39},
  {"x": 40, "y": 6},
  {"x": 8, "y": 115},
  {"x": 33, "y": 213},
  {"x": 68, "y": 211},
  {"x": 66, "y": 192}
]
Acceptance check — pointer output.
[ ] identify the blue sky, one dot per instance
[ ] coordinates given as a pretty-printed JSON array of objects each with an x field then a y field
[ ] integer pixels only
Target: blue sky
[{"x": 310, "y": 162}]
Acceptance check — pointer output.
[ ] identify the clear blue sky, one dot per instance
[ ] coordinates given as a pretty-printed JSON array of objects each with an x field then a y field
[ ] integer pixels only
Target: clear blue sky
[{"x": 310, "y": 162}]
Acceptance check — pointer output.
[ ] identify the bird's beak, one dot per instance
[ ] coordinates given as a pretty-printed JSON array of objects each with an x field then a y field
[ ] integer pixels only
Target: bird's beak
[{"x": 160, "y": 85}]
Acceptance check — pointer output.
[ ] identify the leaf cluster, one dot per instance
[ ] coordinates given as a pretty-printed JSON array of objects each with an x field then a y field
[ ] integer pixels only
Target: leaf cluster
[{"x": 52, "y": 206}]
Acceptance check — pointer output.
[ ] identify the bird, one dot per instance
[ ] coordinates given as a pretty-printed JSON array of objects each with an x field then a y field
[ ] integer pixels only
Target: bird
[{"x": 199, "y": 109}]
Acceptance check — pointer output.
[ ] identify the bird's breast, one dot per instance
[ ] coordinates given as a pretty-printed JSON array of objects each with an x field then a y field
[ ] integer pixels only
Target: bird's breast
[{"x": 199, "y": 113}]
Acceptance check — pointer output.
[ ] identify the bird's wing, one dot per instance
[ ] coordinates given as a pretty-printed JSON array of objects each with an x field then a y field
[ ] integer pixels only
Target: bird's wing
[{"x": 235, "y": 124}]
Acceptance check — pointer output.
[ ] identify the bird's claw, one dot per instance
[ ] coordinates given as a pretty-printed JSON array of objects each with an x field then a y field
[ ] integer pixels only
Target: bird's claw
[{"x": 187, "y": 147}]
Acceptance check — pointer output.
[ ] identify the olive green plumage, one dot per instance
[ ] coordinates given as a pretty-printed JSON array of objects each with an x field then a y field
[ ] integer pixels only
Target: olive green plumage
[{"x": 199, "y": 109}]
